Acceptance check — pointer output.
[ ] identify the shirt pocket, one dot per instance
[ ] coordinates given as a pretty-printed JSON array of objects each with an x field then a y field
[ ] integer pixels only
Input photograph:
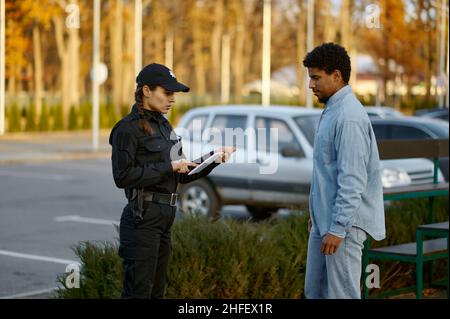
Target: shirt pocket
[
  {"x": 153, "y": 148},
  {"x": 327, "y": 153},
  {"x": 155, "y": 144}
]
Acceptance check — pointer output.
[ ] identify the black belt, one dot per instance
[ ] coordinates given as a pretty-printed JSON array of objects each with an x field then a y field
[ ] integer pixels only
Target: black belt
[{"x": 160, "y": 198}]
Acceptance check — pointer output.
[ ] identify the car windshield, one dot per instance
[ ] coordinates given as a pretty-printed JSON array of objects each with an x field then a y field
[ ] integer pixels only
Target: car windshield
[{"x": 308, "y": 125}]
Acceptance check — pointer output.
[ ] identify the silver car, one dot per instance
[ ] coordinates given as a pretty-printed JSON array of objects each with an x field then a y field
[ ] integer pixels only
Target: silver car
[{"x": 272, "y": 167}]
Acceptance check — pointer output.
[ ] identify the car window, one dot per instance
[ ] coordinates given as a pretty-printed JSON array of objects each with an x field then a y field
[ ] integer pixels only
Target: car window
[
  {"x": 401, "y": 132},
  {"x": 381, "y": 131},
  {"x": 238, "y": 125},
  {"x": 265, "y": 141},
  {"x": 308, "y": 125},
  {"x": 198, "y": 123}
]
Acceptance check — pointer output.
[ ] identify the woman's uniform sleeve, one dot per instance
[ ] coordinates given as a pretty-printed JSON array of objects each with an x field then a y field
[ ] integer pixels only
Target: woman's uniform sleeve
[{"x": 185, "y": 178}]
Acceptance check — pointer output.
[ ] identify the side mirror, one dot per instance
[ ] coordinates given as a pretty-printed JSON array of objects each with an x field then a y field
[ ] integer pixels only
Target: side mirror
[{"x": 290, "y": 151}]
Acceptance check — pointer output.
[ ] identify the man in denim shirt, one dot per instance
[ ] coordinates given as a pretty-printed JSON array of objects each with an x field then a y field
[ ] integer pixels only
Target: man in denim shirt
[{"x": 346, "y": 198}]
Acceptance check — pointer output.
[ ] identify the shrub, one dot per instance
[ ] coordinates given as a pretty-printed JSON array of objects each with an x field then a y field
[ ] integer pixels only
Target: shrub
[
  {"x": 231, "y": 259},
  {"x": 234, "y": 259},
  {"x": 31, "y": 125},
  {"x": 101, "y": 272},
  {"x": 44, "y": 121},
  {"x": 73, "y": 119},
  {"x": 58, "y": 118},
  {"x": 86, "y": 115},
  {"x": 14, "y": 118}
]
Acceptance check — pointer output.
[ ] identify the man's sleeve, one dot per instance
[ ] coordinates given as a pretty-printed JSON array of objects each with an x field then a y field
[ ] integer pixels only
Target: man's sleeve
[
  {"x": 125, "y": 170},
  {"x": 352, "y": 149}
]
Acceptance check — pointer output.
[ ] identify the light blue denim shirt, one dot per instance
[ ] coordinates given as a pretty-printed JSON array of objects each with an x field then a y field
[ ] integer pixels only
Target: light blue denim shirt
[{"x": 346, "y": 188}]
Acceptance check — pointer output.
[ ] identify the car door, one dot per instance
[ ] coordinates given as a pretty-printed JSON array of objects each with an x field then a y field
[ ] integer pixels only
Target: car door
[
  {"x": 284, "y": 172},
  {"x": 231, "y": 179}
]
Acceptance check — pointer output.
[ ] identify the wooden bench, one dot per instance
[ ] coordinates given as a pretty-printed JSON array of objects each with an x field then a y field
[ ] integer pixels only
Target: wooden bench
[{"x": 422, "y": 250}]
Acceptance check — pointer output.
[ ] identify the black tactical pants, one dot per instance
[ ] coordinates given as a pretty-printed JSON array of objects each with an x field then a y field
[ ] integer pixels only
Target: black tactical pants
[{"x": 145, "y": 248}]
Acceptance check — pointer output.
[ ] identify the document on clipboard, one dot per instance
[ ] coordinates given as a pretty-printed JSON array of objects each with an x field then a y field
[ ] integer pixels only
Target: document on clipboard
[{"x": 205, "y": 163}]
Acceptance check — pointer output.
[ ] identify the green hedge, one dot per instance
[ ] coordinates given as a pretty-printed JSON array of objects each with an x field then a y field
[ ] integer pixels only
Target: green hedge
[{"x": 234, "y": 259}]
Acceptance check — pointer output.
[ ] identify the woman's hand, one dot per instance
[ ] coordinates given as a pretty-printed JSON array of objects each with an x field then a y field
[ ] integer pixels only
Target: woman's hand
[
  {"x": 182, "y": 166},
  {"x": 226, "y": 153}
]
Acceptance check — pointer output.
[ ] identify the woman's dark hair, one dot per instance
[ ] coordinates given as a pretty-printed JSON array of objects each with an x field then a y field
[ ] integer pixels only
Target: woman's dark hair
[
  {"x": 139, "y": 97},
  {"x": 329, "y": 57}
]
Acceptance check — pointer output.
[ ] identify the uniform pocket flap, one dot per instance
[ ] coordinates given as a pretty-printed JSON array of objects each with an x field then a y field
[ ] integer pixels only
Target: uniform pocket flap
[{"x": 155, "y": 144}]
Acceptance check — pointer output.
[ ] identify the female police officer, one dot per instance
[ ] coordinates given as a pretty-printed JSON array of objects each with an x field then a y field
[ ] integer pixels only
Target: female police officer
[{"x": 148, "y": 163}]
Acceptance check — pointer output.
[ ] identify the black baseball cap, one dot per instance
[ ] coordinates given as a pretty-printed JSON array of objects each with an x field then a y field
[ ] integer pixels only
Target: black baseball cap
[{"x": 158, "y": 74}]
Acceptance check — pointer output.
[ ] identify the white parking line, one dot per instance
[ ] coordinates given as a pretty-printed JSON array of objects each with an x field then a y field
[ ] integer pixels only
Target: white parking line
[
  {"x": 77, "y": 218},
  {"x": 53, "y": 177},
  {"x": 31, "y": 293},
  {"x": 38, "y": 257}
]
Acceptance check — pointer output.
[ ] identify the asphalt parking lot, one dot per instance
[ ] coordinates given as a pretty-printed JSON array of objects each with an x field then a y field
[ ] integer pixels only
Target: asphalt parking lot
[{"x": 47, "y": 208}]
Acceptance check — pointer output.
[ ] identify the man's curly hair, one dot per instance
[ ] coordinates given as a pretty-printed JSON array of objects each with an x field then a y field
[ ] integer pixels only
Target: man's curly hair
[{"x": 329, "y": 57}]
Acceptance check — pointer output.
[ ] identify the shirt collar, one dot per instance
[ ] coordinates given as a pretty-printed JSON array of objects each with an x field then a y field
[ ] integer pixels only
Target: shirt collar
[
  {"x": 149, "y": 115},
  {"x": 338, "y": 96}
]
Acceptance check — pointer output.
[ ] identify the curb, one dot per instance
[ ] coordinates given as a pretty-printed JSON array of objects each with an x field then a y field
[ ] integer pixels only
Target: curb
[{"x": 58, "y": 157}]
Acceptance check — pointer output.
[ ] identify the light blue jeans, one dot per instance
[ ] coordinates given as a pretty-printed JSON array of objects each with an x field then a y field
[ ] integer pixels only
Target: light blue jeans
[{"x": 335, "y": 276}]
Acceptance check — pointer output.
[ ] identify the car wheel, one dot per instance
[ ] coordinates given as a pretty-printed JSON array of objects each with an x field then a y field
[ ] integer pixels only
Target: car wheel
[
  {"x": 199, "y": 198},
  {"x": 260, "y": 213}
]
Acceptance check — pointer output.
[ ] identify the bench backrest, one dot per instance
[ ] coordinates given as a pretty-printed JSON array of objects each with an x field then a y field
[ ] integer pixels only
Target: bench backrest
[
  {"x": 432, "y": 148},
  {"x": 395, "y": 149}
]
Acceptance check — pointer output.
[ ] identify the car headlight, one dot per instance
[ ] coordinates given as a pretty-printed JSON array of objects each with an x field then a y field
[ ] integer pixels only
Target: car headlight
[{"x": 394, "y": 177}]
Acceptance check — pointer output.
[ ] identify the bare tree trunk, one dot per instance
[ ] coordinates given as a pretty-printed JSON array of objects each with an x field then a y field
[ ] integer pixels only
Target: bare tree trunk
[
  {"x": 74, "y": 66},
  {"x": 330, "y": 24},
  {"x": 198, "y": 58},
  {"x": 301, "y": 52},
  {"x": 158, "y": 33},
  {"x": 116, "y": 38},
  {"x": 345, "y": 24},
  {"x": 11, "y": 89},
  {"x": 346, "y": 35},
  {"x": 38, "y": 85},
  {"x": 128, "y": 70},
  {"x": 239, "y": 57},
  {"x": 384, "y": 87},
  {"x": 64, "y": 58},
  {"x": 216, "y": 38}
]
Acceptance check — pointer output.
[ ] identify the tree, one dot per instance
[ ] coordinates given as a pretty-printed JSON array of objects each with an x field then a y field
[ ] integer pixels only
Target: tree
[
  {"x": 68, "y": 45},
  {"x": 36, "y": 16}
]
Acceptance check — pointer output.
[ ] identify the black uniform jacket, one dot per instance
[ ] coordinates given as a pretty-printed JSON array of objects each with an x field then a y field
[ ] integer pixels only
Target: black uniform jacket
[{"x": 143, "y": 161}]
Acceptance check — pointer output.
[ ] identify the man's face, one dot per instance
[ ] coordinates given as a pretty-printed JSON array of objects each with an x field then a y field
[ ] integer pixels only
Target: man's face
[
  {"x": 159, "y": 100},
  {"x": 324, "y": 85}
]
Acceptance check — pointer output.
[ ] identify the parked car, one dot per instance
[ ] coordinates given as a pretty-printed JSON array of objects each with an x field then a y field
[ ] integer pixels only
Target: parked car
[
  {"x": 435, "y": 113},
  {"x": 255, "y": 181},
  {"x": 382, "y": 112},
  {"x": 412, "y": 127}
]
